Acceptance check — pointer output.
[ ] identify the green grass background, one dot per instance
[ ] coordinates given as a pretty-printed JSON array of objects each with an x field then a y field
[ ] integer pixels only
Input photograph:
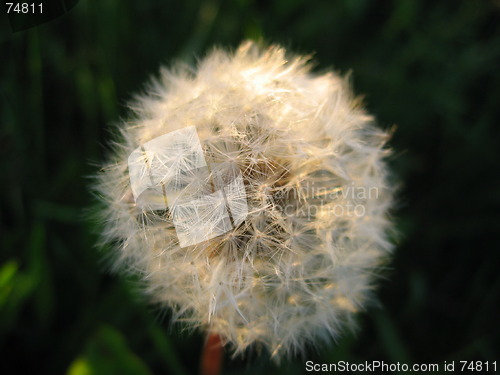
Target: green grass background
[{"x": 429, "y": 67}]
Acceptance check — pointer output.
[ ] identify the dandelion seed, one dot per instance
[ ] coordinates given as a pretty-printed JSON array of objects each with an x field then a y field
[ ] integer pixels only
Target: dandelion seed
[{"x": 225, "y": 193}]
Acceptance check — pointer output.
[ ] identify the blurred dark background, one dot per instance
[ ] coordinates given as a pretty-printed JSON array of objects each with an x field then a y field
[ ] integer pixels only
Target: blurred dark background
[{"x": 430, "y": 68}]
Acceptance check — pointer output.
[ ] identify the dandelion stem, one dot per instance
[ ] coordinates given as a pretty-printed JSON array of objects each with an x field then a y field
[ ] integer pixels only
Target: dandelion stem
[{"x": 211, "y": 357}]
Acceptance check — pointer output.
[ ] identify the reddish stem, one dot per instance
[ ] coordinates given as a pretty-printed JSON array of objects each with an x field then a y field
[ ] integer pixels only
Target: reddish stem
[{"x": 211, "y": 357}]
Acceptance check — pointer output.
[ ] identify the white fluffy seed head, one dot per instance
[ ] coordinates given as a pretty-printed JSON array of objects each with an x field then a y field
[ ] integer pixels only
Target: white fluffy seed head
[{"x": 305, "y": 256}]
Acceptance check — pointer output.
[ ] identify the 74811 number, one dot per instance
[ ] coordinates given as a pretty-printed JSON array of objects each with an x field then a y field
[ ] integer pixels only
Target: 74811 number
[{"x": 24, "y": 8}]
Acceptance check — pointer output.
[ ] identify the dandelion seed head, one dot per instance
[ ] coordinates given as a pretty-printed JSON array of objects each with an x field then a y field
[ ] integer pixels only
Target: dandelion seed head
[{"x": 284, "y": 167}]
